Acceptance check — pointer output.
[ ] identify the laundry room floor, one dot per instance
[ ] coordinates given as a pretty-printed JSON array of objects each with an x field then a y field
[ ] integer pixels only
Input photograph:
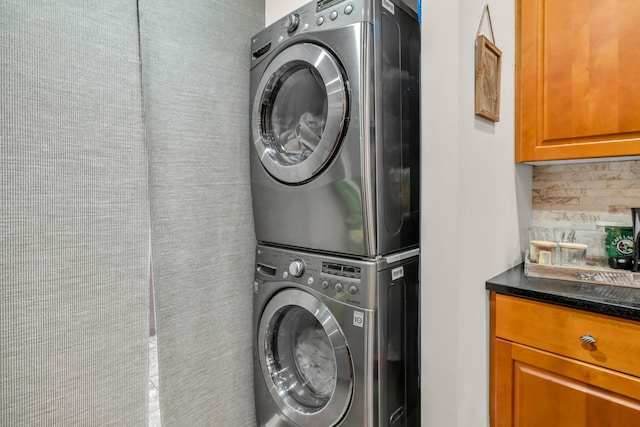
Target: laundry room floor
[{"x": 154, "y": 389}]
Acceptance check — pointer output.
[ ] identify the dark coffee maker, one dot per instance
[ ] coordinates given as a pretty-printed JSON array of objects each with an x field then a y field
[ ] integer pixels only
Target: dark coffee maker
[{"x": 635, "y": 217}]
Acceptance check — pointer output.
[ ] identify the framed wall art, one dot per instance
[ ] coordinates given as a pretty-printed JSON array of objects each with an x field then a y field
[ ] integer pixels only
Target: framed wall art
[{"x": 488, "y": 73}]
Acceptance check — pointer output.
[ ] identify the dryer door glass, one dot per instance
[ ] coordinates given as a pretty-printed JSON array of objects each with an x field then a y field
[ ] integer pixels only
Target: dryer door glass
[
  {"x": 305, "y": 359},
  {"x": 294, "y": 123},
  {"x": 299, "y": 112}
]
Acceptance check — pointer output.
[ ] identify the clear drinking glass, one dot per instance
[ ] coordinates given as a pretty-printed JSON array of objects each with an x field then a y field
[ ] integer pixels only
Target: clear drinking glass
[
  {"x": 542, "y": 247},
  {"x": 573, "y": 254},
  {"x": 562, "y": 235}
]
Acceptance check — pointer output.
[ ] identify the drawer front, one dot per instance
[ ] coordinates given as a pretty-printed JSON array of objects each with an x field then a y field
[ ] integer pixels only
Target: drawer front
[{"x": 559, "y": 330}]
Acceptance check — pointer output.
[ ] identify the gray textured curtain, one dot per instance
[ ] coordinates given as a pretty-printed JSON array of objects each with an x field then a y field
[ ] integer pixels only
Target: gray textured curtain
[
  {"x": 195, "y": 59},
  {"x": 73, "y": 216}
]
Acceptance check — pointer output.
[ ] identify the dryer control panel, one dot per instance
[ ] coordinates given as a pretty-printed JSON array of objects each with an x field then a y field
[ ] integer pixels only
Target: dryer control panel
[{"x": 315, "y": 16}]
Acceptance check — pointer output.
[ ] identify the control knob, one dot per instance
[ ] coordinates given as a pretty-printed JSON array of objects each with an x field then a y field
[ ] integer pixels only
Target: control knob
[
  {"x": 291, "y": 24},
  {"x": 296, "y": 268}
]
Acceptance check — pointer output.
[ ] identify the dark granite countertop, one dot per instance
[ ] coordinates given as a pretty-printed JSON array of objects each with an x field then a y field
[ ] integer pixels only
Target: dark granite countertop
[{"x": 611, "y": 300}]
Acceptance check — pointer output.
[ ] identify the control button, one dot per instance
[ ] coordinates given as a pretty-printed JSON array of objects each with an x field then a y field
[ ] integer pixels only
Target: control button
[
  {"x": 305, "y": 26},
  {"x": 324, "y": 284},
  {"x": 338, "y": 287},
  {"x": 333, "y": 15},
  {"x": 353, "y": 289},
  {"x": 348, "y": 9},
  {"x": 320, "y": 20},
  {"x": 280, "y": 39},
  {"x": 285, "y": 275},
  {"x": 291, "y": 24},
  {"x": 310, "y": 281},
  {"x": 296, "y": 268}
]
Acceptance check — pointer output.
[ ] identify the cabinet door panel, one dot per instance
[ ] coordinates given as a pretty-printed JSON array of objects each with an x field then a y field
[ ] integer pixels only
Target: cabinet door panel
[
  {"x": 533, "y": 406},
  {"x": 536, "y": 388},
  {"x": 581, "y": 69},
  {"x": 544, "y": 398},
  {"x": 577, "y": 91}
]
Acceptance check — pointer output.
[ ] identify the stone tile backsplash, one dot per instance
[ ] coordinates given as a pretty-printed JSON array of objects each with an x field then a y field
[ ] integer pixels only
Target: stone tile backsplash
[{"x": 579, "y": 195}]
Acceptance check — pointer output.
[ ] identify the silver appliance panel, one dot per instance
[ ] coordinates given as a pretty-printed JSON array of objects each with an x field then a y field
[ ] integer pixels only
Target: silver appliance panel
[
  {"x": 397, "y": 123},
  {"x": 376, "y": 333},
  {"x": 357, "y": 190},
  {"x": 345, "y": 318},
  {"x": 334, "y": 211}
]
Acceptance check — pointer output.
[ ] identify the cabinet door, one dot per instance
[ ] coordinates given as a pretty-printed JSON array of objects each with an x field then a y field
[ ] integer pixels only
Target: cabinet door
[
  {"x": 536, "y": 388},
  {"x": 577, "y": 85}
]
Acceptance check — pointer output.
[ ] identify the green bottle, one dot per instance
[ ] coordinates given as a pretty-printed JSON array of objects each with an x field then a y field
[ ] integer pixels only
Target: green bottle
[{"x": 618, "y": 241}]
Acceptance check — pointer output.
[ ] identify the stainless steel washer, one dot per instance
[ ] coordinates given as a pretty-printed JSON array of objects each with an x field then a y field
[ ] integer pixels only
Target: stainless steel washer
[
  {"x": 335, "y": 162},
  {"x": 336, "y": 340}
]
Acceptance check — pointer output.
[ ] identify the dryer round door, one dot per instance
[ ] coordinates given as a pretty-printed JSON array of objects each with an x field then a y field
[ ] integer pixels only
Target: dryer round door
[
  {"x": 299, "y": 112},
  {"x": 305, "y": 359}
]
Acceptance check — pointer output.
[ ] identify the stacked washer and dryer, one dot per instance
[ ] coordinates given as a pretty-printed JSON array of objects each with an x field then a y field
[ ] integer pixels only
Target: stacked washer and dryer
[{"x": 335, "y": 175}]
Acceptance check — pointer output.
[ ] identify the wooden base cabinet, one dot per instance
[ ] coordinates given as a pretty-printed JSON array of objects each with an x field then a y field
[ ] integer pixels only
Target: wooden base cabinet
[{"x": 534, "y": 387}]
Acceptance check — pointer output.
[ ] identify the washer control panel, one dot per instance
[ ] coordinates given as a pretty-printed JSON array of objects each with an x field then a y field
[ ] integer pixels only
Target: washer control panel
[
  {"x": 337, "y": 280},
  {"x": 340, "y": 279}
]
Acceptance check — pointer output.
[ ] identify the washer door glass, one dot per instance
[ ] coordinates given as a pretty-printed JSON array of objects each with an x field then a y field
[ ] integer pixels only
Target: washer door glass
[
  {"x": 305, "y": 359},
  {"x": 299, "y": 112}
]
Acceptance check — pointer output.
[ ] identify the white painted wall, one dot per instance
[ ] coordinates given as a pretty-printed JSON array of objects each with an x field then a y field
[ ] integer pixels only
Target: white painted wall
[
  {"x": 476, "y": 205},
  {"x": 276, "y": 9}
]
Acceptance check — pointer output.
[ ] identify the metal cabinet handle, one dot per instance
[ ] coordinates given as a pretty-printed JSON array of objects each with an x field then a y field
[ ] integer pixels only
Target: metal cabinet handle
[
  {"x": 397, "y": 414},
  {"x": 588, "y": 339}
]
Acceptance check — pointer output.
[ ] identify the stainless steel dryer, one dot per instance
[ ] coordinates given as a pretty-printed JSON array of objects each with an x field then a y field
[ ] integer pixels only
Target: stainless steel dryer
[
  {"x": 335, "y": 128},
  {"x": 335, "y": 340}
]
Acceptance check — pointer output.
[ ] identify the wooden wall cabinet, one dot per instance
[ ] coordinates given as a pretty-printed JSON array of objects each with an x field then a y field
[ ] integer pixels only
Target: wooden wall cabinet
[
  {"x": 577, "y": 79},
  {"x": 543, "y": 375}
]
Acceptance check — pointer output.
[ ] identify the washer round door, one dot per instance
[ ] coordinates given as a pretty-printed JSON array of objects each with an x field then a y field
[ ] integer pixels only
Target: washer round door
[
  {"x": 305, "y": 359},
  {"x": 299, "y": 112}
]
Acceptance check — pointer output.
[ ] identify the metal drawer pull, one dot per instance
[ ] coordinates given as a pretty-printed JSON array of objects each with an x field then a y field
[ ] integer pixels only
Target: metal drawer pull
[{"x": 588, "y": 339}]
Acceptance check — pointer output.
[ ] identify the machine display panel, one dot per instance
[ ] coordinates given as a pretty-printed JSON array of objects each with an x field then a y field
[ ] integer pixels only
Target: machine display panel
[
  {"x": 341, "y": 270},
  {"x": 324, "y": 4}
]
